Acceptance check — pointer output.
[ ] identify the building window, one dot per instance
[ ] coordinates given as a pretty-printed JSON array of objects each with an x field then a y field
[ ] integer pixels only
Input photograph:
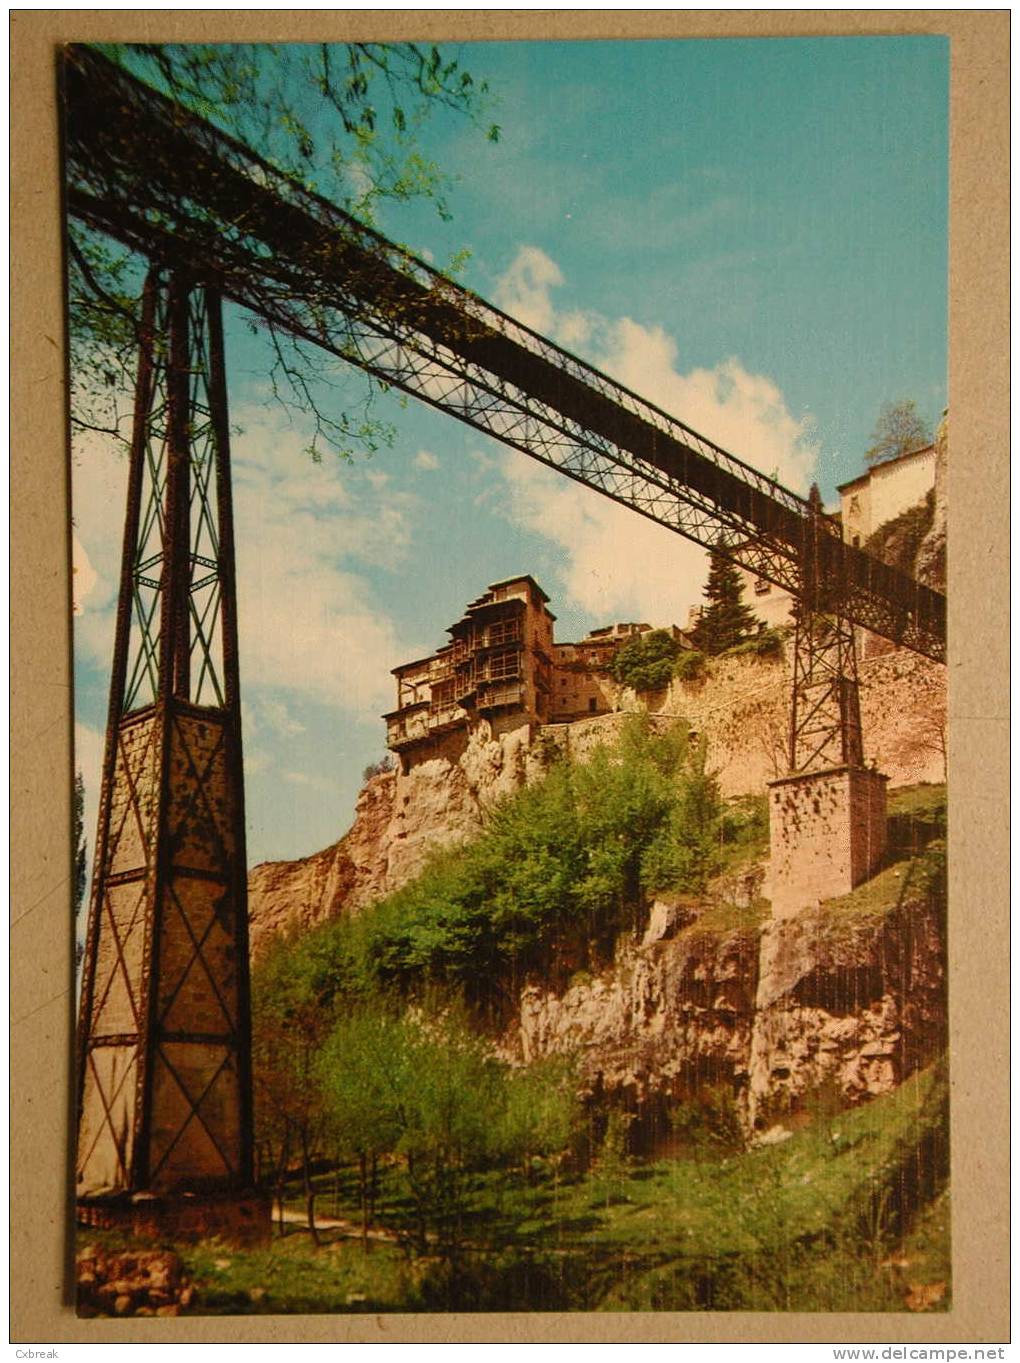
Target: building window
[
  {"x": 504, "y": 665},
  {"x": 442, "y": 695},
  {"x": 503, "y": 632},
  {"x": 857, "y": 541},
  {"x": 762, "y": 588},
  {"x": 593, "y": 704}
]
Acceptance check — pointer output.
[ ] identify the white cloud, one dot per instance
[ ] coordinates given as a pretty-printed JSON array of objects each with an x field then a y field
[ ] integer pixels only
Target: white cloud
[
  {"x": 306, "y": 534},
  {"x": 83, "y": 577},
  {"x": 308, "y": 622},
  {"x": 615, "y": 563},
  {"x": 745, "y": 413},
  {"x": 524, "y": 290},
  {"x": 574, "y": 329},
  {"x": 426, "y": 460},
  {"x": 99, "y": 471},
  {"x": 279, "y": 718}
]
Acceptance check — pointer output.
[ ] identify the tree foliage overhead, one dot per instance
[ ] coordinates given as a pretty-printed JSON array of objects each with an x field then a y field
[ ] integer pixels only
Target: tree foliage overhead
[
  {"x": 726, "y": 621},
  {"x": 900, "y": 429},
  {"x": 346, "y": 121}
]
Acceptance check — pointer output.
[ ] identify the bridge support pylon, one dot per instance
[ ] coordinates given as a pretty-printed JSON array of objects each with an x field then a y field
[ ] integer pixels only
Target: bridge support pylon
[
  {"x": 164, "y": 1039},
  {"x": 827, "y": 817}
]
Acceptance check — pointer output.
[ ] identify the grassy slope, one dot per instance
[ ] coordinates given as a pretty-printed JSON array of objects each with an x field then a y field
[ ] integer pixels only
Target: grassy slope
[
  {"x": 811, "y": 1224},
  {"x": 791, "y": 1227}
]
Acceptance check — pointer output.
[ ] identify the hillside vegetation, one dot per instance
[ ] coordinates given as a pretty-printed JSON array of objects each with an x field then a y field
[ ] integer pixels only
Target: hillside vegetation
[
  {"x": 561, "y": 868},
  {"x": 849, "y": 1214},
  {"x": 429, "y": 1172}
]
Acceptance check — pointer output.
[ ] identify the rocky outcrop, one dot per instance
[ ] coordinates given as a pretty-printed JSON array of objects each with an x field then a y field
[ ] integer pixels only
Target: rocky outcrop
[
  {"x": 930, "y": 564},
  {"x": 295, "y": 896},
  {"x": 131, "y": 1283},
  {"x": 400, "y": 820},
  {"x": 674, "y": 1011},
  {"x": 830, "y": 1004},
  {"x": 846, "y": 1006}
]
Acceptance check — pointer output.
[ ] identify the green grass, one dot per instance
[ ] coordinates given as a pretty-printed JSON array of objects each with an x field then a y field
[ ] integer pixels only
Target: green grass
[
  {"x": 874, "y": 899},
  {"x": 923, "y": 1257},
  {"x": 293, "y": 1276},
  {"x": 289, "y": 1275},
  {"x": 722, "y": 918},
  {"x": 804, "y": 1225},
  {"x": 917, "y": 817},
  {"x": 921, "y": 800},
  {"x": 848, "y": 1214}
]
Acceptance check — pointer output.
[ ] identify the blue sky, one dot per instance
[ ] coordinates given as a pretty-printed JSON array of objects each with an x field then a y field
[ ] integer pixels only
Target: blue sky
[{"x": 751, "y": 233}]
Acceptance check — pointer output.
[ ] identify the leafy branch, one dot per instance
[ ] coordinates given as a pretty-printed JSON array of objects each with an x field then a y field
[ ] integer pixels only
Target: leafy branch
[{"x": 342, "y": 120}]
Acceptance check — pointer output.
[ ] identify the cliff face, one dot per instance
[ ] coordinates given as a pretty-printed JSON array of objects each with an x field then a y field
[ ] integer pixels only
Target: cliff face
[
  {"x": 852, "y": 1004},
  {"x": 930, "y": 564},
  {"x": 827, "y": 1003},
  {"x": 741, "y": 706},
  {"x": 399, "y": 820},
  {"x": 674, "y": 1011},
  {"x": 286, "y": 896}
]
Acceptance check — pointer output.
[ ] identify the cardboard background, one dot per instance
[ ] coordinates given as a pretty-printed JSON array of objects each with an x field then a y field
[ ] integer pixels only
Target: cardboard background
[{"x": 41, "y": 937}]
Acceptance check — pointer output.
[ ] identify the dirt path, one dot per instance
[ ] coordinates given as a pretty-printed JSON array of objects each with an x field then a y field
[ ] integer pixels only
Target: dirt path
[{"x": 349, "y": 1229}]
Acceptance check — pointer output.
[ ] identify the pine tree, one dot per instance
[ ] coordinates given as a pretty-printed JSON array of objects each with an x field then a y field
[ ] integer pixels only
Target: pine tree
[{"x": 726, "y": 620}]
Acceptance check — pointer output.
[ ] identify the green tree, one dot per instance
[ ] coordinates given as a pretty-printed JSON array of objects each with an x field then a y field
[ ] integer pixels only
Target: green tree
[
  {"x": 900, "y": 428},
  {"x": 362, "y": 1074},
  {"x": 346, "y": 120},
  {"x": 726, "y": 621},
  {"x": 684, "y": 852},
  {"x": 558, "y": 872},
  {"x": 646, "y": 661},
  {"x": 289, "y": 1025},
  {"x": 427, "y": 1090}
]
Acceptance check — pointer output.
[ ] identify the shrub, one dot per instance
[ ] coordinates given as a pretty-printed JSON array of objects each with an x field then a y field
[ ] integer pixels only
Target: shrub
[
  {"x": 709, "y": 1123},
  {"x": 379, "y": 768},
  {"x": 690, "y": 666},
  {"x": 745, "y": 821},
  {"x": 612, "y": 1165},
  {"x": 684, "y": 852},
  {"x": 767, "y": 643},
  {"x": 897, "y": 541},
  {"x": 645, "y": 661}
]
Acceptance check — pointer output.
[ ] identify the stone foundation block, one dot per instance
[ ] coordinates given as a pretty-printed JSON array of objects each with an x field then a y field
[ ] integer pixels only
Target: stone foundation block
[
  {"x": 240, "y": 1218},
  {"x": 827, "y": 834}
]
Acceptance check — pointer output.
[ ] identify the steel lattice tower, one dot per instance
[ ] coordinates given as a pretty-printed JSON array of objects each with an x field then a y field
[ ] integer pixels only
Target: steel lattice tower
[
  {"x": 827, "y": 817},
  {"x": 825, "y": 711},
  {"x": 164, "y": 1079}
]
